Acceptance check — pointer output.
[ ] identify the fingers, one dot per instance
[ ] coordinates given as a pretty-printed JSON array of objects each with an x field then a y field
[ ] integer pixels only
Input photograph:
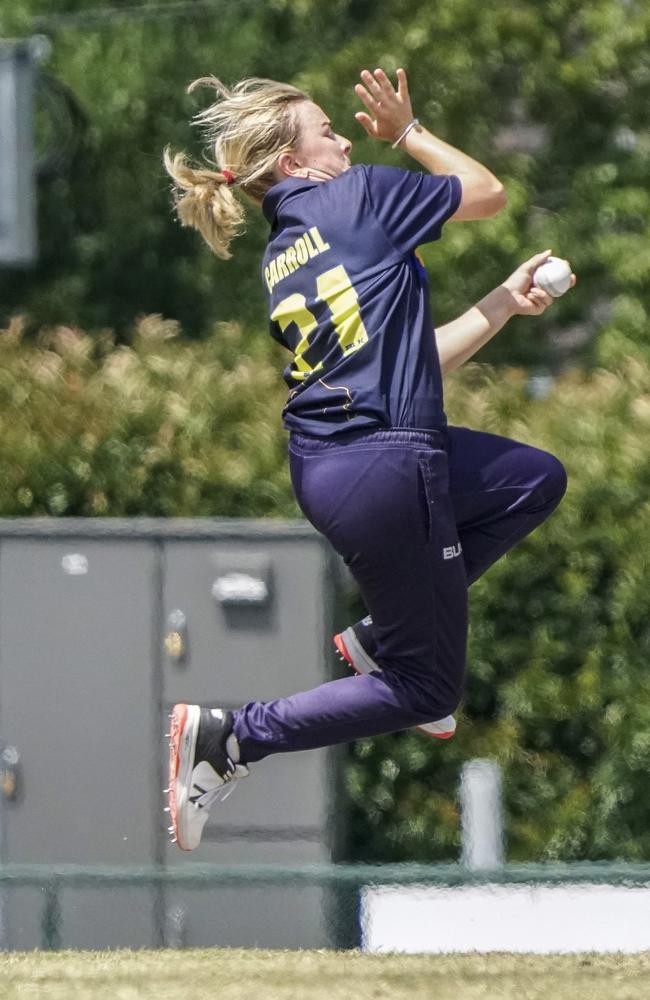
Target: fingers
[
  {"x": 384, "y": 83},
  {"x": 389, "y": 109},
  {"x": 377, "y": 83},
  {"x": 377, "y": 90},
  {"x": 366, "y": 121},
  {"x": 366, "y": 97},
  {"x": 540, "y": 298},
  {"x": 529, "y": 266},
  {"x": 402, "y": 85}
]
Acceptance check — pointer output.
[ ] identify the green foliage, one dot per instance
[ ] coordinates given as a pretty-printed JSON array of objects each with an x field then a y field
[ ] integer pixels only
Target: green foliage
[
  {"x": 558, "y": 686},
  {"x": 110, "y": 248},
  {"x": 157, "y": 428},
  {"x": 553, "y": 96}
]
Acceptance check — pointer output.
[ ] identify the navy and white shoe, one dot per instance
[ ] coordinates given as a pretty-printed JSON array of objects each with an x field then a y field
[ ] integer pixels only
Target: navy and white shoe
[
  {"x": 354, "y": 647},
  {"x": 203, "y": 768}
]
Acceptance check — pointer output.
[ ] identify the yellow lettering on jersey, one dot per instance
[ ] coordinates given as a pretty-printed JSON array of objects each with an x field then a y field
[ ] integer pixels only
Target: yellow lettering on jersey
[
  {"x": 313, "y": 252},
  {"x": 308, "y": 245},
  {"x": 294, "y": 309},
  {"x": 292, "y": 262},
  {"x": 301, "y": 250},
  {"x": 321, "y": 245},
  {"x": 282, "y": 267},
  {"x": 335, "y": 288}
]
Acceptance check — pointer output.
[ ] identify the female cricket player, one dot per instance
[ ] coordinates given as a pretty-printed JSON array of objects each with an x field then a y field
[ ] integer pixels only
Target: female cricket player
[{"x": 417, "y": 509}]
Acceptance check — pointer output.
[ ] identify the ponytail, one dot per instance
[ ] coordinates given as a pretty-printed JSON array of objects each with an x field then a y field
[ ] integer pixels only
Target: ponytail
[
  {"x": 247, "y": 129},
  {"x": 204, "y": 201}
]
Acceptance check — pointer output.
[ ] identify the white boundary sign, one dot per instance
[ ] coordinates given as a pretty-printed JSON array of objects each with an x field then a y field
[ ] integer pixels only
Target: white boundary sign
[{"x": 538, "y": 919}]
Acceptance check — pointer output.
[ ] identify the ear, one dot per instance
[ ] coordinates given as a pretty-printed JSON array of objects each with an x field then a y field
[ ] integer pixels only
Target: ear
[{"x": 288, "y": 165}]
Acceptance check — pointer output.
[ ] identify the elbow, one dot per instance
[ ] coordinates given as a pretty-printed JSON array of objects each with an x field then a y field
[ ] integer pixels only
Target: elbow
[
  {"x": 496, "y": 200},
  {"x": 482, "y": 203},
  {"x": 501, "y": 197}
]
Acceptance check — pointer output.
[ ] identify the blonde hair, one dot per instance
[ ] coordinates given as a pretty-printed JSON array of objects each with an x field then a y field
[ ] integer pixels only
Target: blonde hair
[{"x": 246, "y": 128}]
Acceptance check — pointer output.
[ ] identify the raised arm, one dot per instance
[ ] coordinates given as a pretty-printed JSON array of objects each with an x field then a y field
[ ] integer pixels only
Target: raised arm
[
  {"x": 389, "y": 118},
  {"x": 517, "y": 296}
]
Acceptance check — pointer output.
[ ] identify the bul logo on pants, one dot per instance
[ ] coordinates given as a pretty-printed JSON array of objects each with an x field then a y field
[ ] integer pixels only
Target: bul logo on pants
[{"x": 451, "y": 551}]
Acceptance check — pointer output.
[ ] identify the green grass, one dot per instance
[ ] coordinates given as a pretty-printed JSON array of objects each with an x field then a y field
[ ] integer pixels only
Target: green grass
[{"x": 319, "y": 975}]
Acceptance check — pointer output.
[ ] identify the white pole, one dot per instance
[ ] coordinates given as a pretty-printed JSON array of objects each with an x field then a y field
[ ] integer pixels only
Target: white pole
[
  {"x": 481, "y": 814},
  {"x": 18, "y": 176}
]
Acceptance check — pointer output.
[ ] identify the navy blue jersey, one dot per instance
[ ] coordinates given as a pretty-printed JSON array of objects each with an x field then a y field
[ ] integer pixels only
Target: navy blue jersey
[{"x": 349, "y": 298}]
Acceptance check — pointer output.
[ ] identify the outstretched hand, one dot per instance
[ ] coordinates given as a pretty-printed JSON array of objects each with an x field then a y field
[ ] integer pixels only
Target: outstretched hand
[
  {"x": 526, "y": 299},
  {"x": 390, "y": 109}
]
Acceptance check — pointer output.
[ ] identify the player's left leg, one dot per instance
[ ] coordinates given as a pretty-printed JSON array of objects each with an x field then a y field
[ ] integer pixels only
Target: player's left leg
[
  {"x": 357, "y": 647},
  {"x": 501, "y": 490}
]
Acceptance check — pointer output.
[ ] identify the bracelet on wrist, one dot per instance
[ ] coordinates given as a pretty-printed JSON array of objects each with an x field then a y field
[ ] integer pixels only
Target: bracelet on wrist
[{"x": 412, "y": 124}]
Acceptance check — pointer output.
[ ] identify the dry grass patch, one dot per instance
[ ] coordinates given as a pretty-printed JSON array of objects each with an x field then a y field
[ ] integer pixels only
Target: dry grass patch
[{"x": 319, "y": 975}]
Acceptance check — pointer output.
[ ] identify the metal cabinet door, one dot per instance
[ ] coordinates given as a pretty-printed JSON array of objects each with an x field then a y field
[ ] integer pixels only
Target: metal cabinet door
[
  {"x": 78, "y": 633},
  {"x": 240, "y": 652}
]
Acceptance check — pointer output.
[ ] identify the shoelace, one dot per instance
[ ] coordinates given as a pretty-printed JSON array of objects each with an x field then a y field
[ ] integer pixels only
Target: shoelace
[
  {"x": 221, "y": 792},
  {"x": 218, "y": 794}
]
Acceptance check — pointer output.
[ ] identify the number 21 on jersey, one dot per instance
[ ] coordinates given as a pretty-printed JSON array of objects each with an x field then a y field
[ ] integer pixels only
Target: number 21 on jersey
[{"x": 334, "y": 288}]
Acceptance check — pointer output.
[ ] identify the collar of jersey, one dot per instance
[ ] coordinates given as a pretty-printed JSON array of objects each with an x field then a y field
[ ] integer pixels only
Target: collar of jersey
[{"x": 283, "y": 189}]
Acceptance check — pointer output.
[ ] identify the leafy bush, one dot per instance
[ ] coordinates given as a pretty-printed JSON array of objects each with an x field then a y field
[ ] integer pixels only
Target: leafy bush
[
  {"x": 552, "y": 96},
  {"x": 558, "y": 688},
  {"x": 558, "y": 685},
  {"x": 159, "y": 427}
]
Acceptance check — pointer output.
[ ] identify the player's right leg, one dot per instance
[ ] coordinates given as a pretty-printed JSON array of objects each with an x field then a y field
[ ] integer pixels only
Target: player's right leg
[{"x": 356, "y": 646}]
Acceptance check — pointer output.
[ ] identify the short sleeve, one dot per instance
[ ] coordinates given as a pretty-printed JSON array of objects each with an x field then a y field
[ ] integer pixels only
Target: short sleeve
[{"x": 412, "y": 207}]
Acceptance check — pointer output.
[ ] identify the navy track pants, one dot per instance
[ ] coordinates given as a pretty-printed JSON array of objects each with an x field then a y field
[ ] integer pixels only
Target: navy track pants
[{"x": 417, "y": 516}]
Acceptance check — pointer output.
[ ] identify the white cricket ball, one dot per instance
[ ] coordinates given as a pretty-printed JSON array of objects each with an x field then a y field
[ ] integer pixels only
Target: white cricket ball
[{"x": 553, "y": 276}]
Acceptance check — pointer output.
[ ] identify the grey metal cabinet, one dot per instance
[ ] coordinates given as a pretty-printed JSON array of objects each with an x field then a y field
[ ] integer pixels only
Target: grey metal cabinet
[
  {"x": 103, "y": 625},
  {"x": 240, "y": 650}
]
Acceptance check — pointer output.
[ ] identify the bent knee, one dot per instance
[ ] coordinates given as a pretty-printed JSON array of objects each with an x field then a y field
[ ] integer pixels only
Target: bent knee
[
  {"x": 552, "y": 483},
  {"x": 557, "y": 479},
  {"x": 438, "y": 707}
]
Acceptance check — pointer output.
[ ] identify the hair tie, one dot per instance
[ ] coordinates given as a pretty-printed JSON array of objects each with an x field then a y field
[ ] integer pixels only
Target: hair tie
[{"x": 230, "y": 177}]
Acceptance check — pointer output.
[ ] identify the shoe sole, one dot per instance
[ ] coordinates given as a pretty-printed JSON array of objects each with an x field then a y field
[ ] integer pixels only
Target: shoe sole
[
  {"x": 182, "y": 744},
  {"x": 346, "y": 656}
]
